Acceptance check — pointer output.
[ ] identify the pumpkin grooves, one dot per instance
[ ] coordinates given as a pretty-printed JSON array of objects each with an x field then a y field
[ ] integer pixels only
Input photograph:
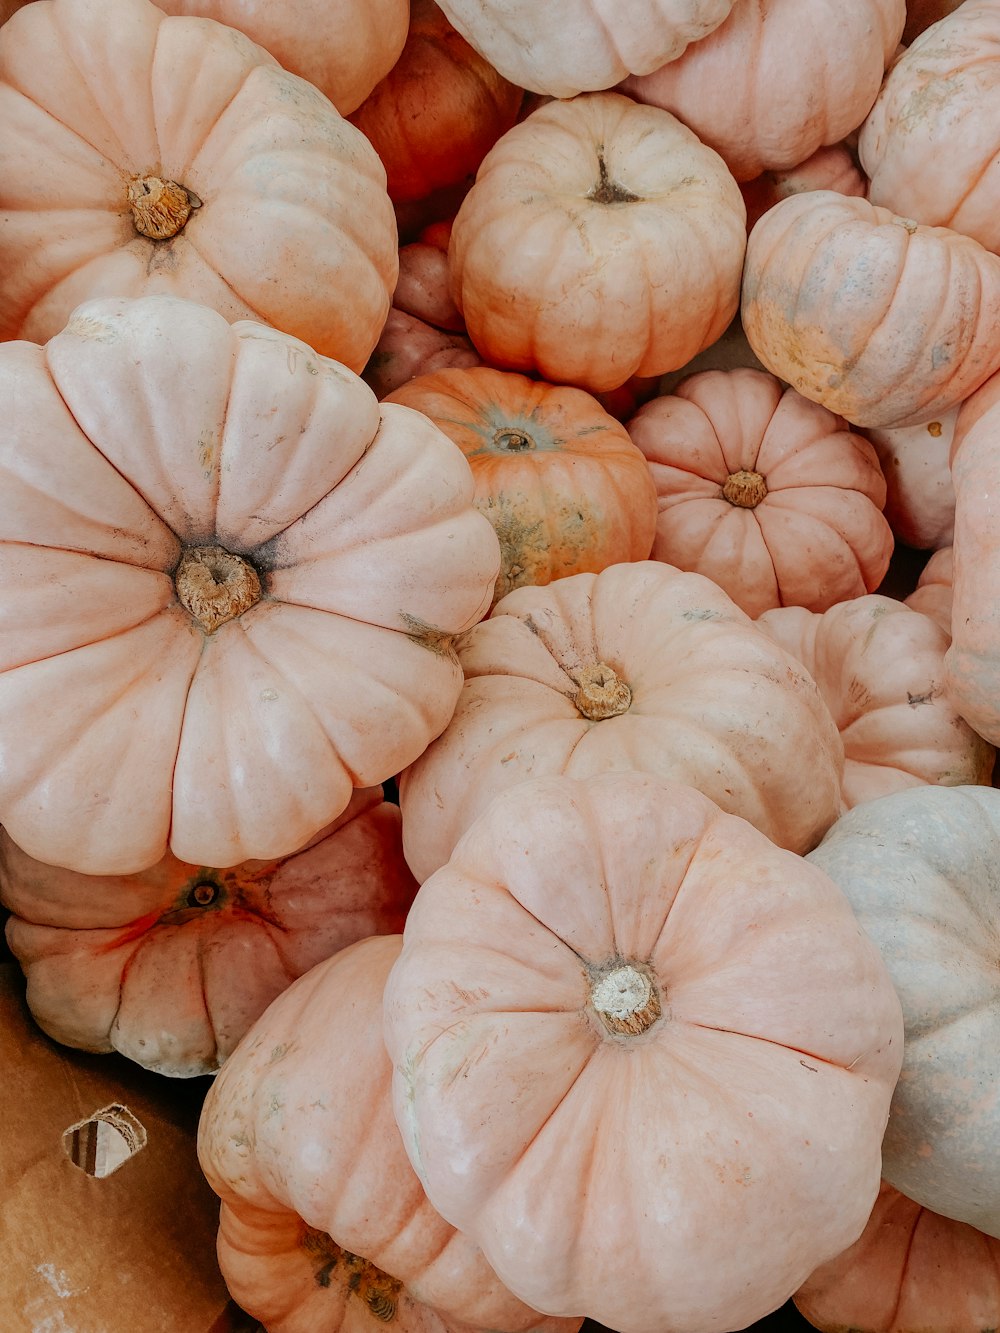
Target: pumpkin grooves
[
  {"x": 626, "y": 1000},
  {"x": 744, "y": 489},
  {"x": 601, "y": 693},
  {"x": 159, "y": 208},
  {"x": 215, "y": 585},
  {"x": 377, "y": 1289}
]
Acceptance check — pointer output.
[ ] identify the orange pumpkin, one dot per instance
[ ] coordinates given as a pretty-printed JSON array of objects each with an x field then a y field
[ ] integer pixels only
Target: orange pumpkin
[
  {"x": 171, "y": 967},
  {"x": 565, "y": 488},
  {"x": 144, "y": 154},
  {"x": 766, "y": 493},
  {"x": 229, "y": 585},
  {"x": 600, "y": 240}
]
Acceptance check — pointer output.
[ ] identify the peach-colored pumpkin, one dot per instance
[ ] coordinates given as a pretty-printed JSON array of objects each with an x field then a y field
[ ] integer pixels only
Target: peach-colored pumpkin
[
  {"x": 931, "y": 145},
  {"x": 766, "y": 493},
  {"x": 437, "y": 113},
  {"x": 171, "y": 967},
  {"x": 563, "y": 47},
  {"x": 932, "y": 595},
  {"x": 638, "y": 667},
  {"x": 910, "y": 1270},
  {"x": 324, "y": 1224},
  {"x": 779, "y": 78},
  {"x": 116, "y": 118},
  {"x": 565, "y": 488},
  {"x": 628, "y": 1032},
  {"x": 920, "y": 497},
  {"x": 344, "y": 47},
  {"x": 883, "y": 321},
  {"x": 229, "y": 582},
  {"x": 830, "y": 168},
  {"x": 600, "y": 240},
  {"x": 880, "y": 667}
]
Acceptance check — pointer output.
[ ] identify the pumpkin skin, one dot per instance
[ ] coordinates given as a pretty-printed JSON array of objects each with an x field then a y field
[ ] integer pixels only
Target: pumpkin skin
[
  {"x": 638, "y": 667},
  {"x": 764, "y": 492},
  {"x": 921, "y": 869},
  {"x": 830, "y": 168},
  {"x": 566, "y": 47},
  {"x": 765, "y": 99},
  {"x": 149, "y": 431},
  {"x": 880, "y": 667},
  {"x": 932, "y": 595},
  {"x": 565, "y": 488},
  {"x": 601, "y": 240},
  {"x": 737, "y": 1101},
  {"x": 920, "y": 498},
  {"x": 297, "y": 1137},
  {"x": 439, "y": 111},
  {"x": 885, "y": 322},
  {"x": 931, "y": 141},
  {"x": 171, "y": 967},
  {"x": 973, "y": 662},
  {"x": 97, "y": 99},
  {"x": 910, "y": 1270}
]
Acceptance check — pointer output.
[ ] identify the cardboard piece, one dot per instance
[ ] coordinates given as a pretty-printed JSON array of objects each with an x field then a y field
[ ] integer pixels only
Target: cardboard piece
[{"x": 106, "y": 1222}]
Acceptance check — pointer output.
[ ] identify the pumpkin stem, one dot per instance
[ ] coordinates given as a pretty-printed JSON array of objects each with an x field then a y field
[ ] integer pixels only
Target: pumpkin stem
[
  {"x": 376, "y": 1288},
  {"x": 626, "y": 1000},
  {"x": 601, "y": 692},
  {"x": 513, "y": 441},
  {"x": 215, "y": 585},
  {"x": 607, "y": 191},
  {"x": 744, "y": 489},
  {"x": 159, "y": 208}
]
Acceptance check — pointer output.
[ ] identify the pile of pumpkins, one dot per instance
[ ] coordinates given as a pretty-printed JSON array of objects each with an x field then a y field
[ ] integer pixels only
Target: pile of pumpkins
[{"x": 449, "y": 459}]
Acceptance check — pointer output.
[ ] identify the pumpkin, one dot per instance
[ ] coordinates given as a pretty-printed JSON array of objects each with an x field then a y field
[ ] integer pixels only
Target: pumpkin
[
  {"x": 910, "y": 1269},
  {"x": 885, "y": 322},
  {"x": 920, "y": 496},
  {"x": 880, "y": 667},
  {"x": 323, "y": 1223},
  {"x": 830, "y": 168},
  {"x": 765, "y": 95},
  {"x": 973, "y": 662},
  {"x": 436, "y": 114},
  {"x": 564, "y": 47},
  {"x": 930, "y": 143},
  {"x": 229, "y": 583},
  {"x": 600, "y": 240},
  {"x": 638, "y": 667},
  {"x": 766, "y": 493},
  {"x": 932, "y": 595},
  {"x": 143, "y": 154},
  {"x": 563, "y": 485},
  {"x": 921, "y": 869},
  {"x": 344, "y": 47},
  {"x": 625, "y": 1027},
  {"x": 171, "y": 967}
]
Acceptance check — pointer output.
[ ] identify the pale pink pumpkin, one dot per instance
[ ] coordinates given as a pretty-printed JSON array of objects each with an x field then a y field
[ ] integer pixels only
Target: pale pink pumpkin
[
  {"x": 344, "y": 47},
  {"x": 601, "y": 240},
  {"x": 920, "y": 497},
  {"x": 638, "y": 667},
  {"x": 833, "y": 167},
  {"x": 229, "y": 584},
  {"x": 628, "y": 1032},
  {"x": 880, "y": 667},
  {"x": 171, "y": 967},
  {"x": 883, "y": 321},
  {"x": 931, "y": 144},
  {"x": 764, "y": 492},
  {"x": 145, "y": 154},
  {"x": 779, "y": 78},
  {"x": 932, "y": 595},
  {"x": 324, "y": 1224},
  {"x": 910, "y": 1269},
  {"x": 565, "y": 47}
]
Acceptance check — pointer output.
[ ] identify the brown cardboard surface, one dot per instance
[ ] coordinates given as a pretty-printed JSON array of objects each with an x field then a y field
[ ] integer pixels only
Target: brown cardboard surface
[{"x": 133, "y": 1252}]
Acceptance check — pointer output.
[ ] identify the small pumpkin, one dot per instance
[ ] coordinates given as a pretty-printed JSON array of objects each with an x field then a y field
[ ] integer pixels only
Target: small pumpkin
[
  {"x": 766, "y": 493},
  {"x": 920, "y": 495},
  {"x": 624, "y": 1023},
  {"x": 833, "y": 167},
  {"x": 601, "y": 240},
  {"x": 565, "y": 488},
  {"x": 172, "y": 966}
]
